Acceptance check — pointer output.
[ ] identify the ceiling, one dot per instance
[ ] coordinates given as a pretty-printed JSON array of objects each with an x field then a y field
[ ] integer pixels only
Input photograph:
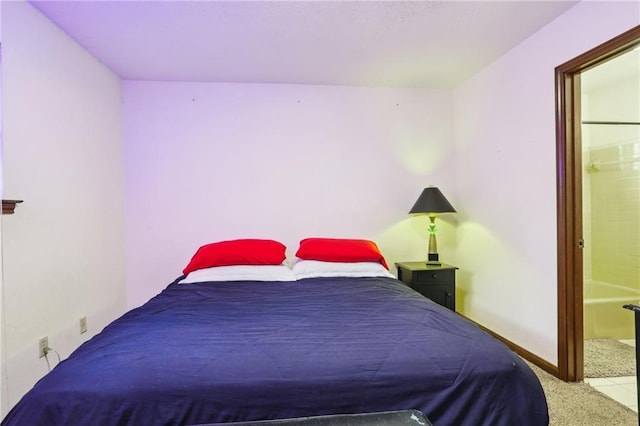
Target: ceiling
[{"x": 434, "y": 44}]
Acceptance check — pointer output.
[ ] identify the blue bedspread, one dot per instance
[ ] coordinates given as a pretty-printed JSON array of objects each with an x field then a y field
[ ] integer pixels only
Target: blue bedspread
[{"x": 239, "y": 351}]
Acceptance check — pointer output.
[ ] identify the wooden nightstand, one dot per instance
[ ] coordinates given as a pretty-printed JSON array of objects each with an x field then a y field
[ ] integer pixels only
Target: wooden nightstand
[{"x": 436, "y": 282}]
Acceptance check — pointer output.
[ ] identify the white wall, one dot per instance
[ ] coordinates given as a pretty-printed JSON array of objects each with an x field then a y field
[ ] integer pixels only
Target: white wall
[
  {"x": 616, "y": 101},
  {"x": 62, "y": 154},
  {"x": 208, "y": 161},
  {"x": 504, "y": 133}
]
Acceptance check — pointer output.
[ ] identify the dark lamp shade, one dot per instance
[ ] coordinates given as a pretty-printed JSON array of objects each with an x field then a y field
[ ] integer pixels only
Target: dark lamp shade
[{"x": 432, "y": 201}]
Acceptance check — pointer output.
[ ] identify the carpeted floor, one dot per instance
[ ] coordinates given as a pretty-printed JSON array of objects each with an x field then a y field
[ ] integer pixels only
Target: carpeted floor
[
  {"x": 608, "y": 358},
  {"x": 578, "y": 404}
]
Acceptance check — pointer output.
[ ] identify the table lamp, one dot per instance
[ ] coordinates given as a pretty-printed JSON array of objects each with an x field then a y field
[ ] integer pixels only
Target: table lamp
[{"x": 432, "y": 202}]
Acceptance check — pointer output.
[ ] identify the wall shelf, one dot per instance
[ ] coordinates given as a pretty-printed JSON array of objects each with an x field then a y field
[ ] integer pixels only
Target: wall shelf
[{"x": 9, "y": 206}]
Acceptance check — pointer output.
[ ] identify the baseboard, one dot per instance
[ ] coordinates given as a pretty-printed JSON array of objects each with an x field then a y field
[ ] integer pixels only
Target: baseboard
[{"x": 529, "y": 356}]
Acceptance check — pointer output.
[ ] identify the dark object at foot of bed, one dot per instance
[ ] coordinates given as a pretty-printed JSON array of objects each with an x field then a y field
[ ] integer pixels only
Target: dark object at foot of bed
[{"x": 389, "y": 418}]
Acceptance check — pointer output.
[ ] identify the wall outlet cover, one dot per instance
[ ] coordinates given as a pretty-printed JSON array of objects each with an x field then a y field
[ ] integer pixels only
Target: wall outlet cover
[
  {"x": 83, "y": 325},
  {"x": 43, "y": 345}
]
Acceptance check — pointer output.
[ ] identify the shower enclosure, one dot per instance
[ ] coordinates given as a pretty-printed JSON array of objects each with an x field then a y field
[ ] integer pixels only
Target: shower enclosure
[{"x": 612, "y": 233}]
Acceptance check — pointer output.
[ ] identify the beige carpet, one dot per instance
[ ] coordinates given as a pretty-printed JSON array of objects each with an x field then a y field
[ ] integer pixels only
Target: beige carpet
[
  {"x": 608, "y": 358},
  {"x": 578, "y": 404}
]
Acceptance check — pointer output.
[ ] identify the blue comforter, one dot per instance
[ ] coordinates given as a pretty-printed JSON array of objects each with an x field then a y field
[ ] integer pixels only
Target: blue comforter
[{"x": 239, "y": 351}]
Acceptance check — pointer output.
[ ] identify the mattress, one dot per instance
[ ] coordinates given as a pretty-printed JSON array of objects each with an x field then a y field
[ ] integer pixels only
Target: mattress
[{"x": 220, "y": 352}]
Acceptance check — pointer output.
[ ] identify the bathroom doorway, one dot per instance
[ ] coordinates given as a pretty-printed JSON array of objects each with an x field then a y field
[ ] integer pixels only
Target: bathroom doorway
[
  {"x": 610, "y": 142},
  {"x": 570, "y": 230}
]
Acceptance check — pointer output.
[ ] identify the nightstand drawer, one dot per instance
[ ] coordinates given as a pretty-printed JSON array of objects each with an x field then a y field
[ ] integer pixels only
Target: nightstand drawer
[{"x": 446, "y": 276}]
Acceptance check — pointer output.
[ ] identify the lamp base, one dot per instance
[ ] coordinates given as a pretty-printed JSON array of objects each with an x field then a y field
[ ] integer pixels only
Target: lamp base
[{"x": 432, "y": 259}]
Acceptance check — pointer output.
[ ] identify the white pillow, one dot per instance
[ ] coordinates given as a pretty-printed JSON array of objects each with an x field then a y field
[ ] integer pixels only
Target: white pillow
[
  {"x": 241, "y": 273},
  {"x": 316, "y": 268}
]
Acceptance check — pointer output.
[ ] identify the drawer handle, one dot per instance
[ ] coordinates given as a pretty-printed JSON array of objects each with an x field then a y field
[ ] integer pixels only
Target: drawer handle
[{"x": 434, "y": 275}]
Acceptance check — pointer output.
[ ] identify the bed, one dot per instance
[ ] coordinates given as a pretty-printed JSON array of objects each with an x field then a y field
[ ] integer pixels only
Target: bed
[{"x": 222, "y": 351}]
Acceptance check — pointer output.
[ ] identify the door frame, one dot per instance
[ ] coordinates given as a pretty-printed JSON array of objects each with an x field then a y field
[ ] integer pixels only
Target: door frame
[{"x": 569, "y": 199}]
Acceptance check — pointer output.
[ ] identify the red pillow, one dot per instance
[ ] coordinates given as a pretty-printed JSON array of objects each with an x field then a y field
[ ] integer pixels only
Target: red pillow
[
  {"x": 237, "y": 252},
  {"x": 340, "y": 250}
]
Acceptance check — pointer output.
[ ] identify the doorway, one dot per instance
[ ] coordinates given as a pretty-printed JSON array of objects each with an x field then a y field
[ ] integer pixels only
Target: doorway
[{"x": 569, "y": 200}]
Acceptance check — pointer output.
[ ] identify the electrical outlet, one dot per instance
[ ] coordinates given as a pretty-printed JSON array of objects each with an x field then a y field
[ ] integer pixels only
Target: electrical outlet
[
  {"x": 43, "y": 346},
  {"x": 83, "y": 325}
]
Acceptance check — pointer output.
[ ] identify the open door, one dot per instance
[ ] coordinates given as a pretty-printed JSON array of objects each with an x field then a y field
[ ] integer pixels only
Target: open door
[{"x": 569, "y": 200}]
